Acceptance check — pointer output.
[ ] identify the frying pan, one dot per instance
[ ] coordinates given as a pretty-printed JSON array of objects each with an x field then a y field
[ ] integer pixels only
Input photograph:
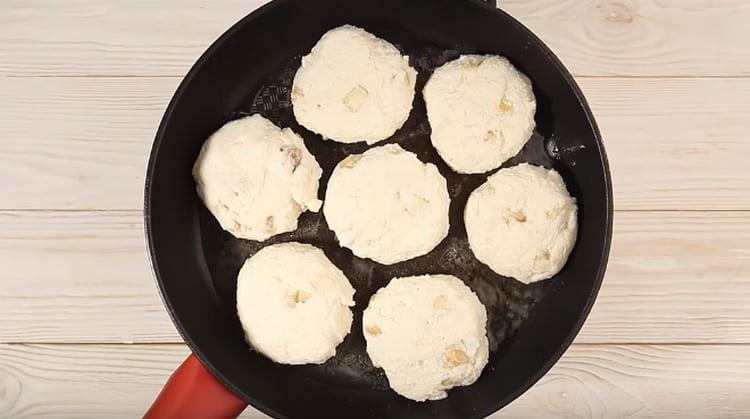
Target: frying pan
[{"x": 249, "y": 70}]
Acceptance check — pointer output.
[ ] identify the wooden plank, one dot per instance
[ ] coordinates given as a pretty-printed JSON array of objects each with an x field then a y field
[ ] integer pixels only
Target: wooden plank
[
  {"x": 83, "y": 381},
  {"x": 78, "y": 143},
  {"x": 670, "y": 150},
  {"x": 82, "y": 143},
  {"x": 601, "y": 381},
  {"x": 605, "y": 381},
  {"x": 594, "y": 38},
  {"x": 92, "y": 37},
  {"x": 78, "y": 277},
  {"x": 673, "y": 277},
  {"x": 642, "y": 37}
]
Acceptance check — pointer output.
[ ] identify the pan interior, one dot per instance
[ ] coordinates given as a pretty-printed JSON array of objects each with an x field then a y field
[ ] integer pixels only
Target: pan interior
[{"x": 508, "y": 302}]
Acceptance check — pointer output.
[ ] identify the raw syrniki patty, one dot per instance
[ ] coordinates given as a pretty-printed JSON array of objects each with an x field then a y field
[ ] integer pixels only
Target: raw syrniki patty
[
  {"x": 387, "y": 205},
  {"x": 294, "y": 304},
  {"x": 256, "y": 178},
  {"x": 428, "y": 333},
  {"x": 481, "y": 112},
  {"x": 353, "y": 87},
  {"x": 522, "y": 222}
]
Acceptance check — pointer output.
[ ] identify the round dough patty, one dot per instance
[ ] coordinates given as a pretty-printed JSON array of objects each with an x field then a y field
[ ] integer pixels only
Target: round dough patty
[
  {"x": 353, "y": 87},
  {"x": 481, "y": 111},
  {"x": 428, "y": 333},
  {"x": 294, "y": 303},
  {"x": 387, "y": 205},
  {"x": 256, "y": 178},
  {"x": 522, "y": 222}
]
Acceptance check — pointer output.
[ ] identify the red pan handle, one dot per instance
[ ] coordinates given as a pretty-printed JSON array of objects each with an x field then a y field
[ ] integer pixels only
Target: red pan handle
[{"x": 192, "y": 392}]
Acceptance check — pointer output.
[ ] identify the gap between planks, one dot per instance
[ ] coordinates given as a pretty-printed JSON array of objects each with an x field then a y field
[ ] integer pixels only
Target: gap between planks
[
  {"x": 135, "y": 211},
  {"x": 181, "y": 76},
  {"x": 180, "y": 343}
]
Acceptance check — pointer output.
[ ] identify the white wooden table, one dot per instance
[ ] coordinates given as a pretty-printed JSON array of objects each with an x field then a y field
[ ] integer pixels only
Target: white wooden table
[{"x": 83, "y": 84}]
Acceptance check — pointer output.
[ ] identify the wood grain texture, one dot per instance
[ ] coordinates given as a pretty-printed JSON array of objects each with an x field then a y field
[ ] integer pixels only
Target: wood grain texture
[
  {"x": 84, "y": 83},
  {"x": 601, "y": 381},
  {"x": 642, "y": 37},
  {"x": 78, "y": 143},
  {"x": 641, "y": 381},
  {"x": 78, "y": 277},
  {"x": 675, "y": 277},
  {"x": 83, "y": 277},
  {"x": 158, "y": 38},
  {"x": 83, "y": 143},
  {"x": 668, "y": 148},
  {"x": 111, "y": 37}
]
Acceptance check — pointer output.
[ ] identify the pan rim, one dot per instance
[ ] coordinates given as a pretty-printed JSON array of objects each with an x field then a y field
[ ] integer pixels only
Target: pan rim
[{"x": 532, "y": 38}]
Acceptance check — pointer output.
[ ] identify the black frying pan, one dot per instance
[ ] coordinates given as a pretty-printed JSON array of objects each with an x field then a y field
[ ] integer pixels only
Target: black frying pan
[{"x": 249, "y": 70}]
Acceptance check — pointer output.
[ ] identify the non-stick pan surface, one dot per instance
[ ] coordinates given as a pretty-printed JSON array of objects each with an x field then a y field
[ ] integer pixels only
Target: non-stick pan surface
[{"x": 249, "y": 70}]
